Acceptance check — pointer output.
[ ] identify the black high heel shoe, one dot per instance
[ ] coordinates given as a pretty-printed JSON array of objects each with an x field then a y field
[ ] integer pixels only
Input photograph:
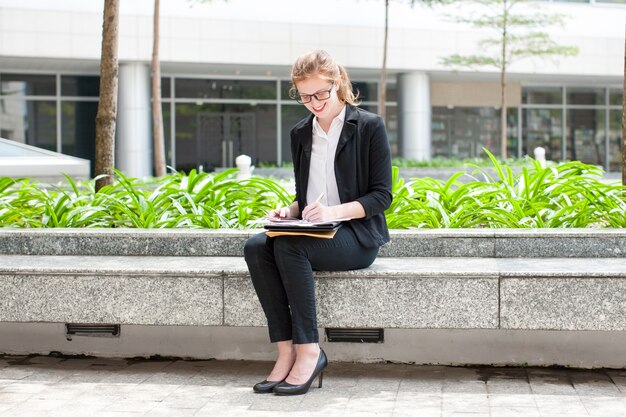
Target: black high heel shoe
[
  {"x": 285, "y": 388},
  {"x": 265, "y": 386}
]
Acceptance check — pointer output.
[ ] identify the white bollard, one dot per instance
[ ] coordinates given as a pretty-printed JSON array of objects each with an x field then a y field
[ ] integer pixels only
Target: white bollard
[
  {"x": 540, "y": 155},
  {"x": 244, "y": 164}
]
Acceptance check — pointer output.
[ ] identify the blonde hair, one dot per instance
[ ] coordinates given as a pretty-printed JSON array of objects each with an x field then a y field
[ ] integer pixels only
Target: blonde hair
[{"x": 320, "y": 63}]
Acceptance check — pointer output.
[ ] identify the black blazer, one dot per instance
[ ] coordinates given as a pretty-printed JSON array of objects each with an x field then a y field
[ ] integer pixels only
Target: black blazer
[{"x": 362, "y": 170}]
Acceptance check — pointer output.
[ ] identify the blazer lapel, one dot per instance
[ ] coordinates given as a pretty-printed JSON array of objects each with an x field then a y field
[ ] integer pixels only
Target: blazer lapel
[
  {"x": 305, "y": 137},
  {"x": 349, "y": 128}
]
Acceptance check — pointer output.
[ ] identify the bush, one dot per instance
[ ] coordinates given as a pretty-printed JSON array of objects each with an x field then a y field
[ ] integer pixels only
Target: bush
[{"x": 565, "y": 195}]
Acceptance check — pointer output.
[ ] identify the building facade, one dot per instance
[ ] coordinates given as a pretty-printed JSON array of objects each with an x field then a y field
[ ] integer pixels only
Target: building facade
[{"x": 225, "y": 68}]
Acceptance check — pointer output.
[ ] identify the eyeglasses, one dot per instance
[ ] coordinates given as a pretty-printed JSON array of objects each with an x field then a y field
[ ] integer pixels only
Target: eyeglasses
[{"x": 319, "y": 95}]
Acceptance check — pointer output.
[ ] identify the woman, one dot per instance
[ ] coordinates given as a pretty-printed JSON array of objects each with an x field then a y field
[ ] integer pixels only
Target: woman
[{"x": 342, "y": 168}]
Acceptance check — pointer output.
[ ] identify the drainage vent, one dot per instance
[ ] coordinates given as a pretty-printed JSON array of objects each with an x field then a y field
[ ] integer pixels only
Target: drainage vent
[
  {"x": 356, "y": 335},
  {"x": 73, "y": 329}
]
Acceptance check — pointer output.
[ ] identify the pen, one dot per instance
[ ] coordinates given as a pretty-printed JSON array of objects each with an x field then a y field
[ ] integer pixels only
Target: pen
[{"x": 319, "y": 199}]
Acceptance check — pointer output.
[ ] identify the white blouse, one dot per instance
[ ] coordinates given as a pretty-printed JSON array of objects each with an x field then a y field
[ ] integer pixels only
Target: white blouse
[{"x": 322, "y": 171}]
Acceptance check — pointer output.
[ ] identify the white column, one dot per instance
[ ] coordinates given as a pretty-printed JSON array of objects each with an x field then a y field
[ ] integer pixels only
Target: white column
[
  {"x": 133, "y": 144},
  {"x": 414, "y": 124}
]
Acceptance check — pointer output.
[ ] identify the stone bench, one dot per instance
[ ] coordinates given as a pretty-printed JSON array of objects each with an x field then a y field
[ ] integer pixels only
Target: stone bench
[
  {"x": 485, "y": 243},
  {"x": 444, "y": 281},
  {"x": 449, "y": 293}
]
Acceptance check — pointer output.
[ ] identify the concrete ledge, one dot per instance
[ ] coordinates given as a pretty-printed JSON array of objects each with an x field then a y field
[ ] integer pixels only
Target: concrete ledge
[
  {"x": 591, "y": 349},
  {"x": 494, "y": 243},
  {"x": 452, "y": 293}
]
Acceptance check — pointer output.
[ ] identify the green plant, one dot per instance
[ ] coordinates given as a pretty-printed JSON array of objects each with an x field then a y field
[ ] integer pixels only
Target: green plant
[
  {"x": 195, "y": 200},
  {"x": 566, "y": 195},
  {"x": 569, "y": 194}
]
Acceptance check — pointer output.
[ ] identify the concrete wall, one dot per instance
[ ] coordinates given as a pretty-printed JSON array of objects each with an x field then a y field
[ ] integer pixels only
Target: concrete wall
[{"x": 275, "y": 32}]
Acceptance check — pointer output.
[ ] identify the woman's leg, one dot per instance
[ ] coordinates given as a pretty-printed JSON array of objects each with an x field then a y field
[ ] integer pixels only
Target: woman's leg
[
  {"x": 296, "y": 257},
  {"x": 267, "y": 282},
  {"x": 259, "y": 255}
]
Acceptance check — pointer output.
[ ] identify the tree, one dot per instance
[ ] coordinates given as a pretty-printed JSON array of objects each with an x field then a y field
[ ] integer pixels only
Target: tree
[
  {"x": 157, "y": 110},
  {"x": 382, "y": 88},
  {"x": 624, "y": 123},
  {"x": 107, "y": 105},
  {"x": 518, "y": 38}
]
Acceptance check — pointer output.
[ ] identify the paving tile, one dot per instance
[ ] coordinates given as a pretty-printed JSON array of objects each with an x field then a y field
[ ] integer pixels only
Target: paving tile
[
  {"x": 164, "y": 411},
  {"x": 16, "y": 372},
  {"x": 418, "y": 412},
  {"x": 465, "y": 402},
  {"x": 512, "y": 400},
  {"x": 514, "y": 412},
  {"x": 224, "y": 388},
  {"x": 415, "y": 399},
  {"x": 597, "y": 389},
  {"x": 14, "y": 398},
  {"x": 467, "y": 386},
  {"x": 604, "y": 406},
  {"x": 371, "y": 401}
]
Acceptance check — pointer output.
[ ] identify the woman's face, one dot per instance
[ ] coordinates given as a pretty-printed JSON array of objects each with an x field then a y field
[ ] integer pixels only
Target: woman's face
[{"x": 329, "y": 105}]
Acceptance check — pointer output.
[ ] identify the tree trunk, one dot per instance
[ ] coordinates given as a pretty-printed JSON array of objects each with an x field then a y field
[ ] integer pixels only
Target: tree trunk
[
  {"x": 107, "y": 105},
  {"x": 157, "y": 111},
  {"x": 382, "y": 94},
  {"x": 503, "y": 138},
  {"x": 624, "y": 124}
]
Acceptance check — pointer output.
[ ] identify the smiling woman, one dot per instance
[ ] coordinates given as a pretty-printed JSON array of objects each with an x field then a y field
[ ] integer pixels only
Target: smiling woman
[{"x": 342, "y": 167}]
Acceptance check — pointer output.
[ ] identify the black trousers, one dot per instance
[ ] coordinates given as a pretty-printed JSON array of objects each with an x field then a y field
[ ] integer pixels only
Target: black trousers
[{"x": 281, "y": 269}]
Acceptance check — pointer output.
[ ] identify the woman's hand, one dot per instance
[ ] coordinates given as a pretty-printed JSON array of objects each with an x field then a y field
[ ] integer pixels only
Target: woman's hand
[
  {"x": 289, "y": 212},
  {"x": 280, "y": 213},
  {"x": 317, "y": 212}
]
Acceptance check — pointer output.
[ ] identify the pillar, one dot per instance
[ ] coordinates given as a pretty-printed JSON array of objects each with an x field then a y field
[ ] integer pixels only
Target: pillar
[
  {"x": 414, "y": 125},
  {"x": 133, "y": 144}
]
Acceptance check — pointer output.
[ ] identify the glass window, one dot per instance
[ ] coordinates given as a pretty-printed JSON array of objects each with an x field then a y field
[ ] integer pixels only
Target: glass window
[
  {"x": 80, "y": 86},
  {"x": 166, "y": 88},
  {"x": 78, "y": 129},
  {"x": 585, "y": 96},
  {"x": 391, "y": 125},
  {"x": 290, "y": 115},
  {"x": 542, "y": 95},
  {"x": 616, "y": 97},
  {"x": 463, "y": 132},
  {"x": 167, "y": 133},
  {"x": 30, "y": 122},
  {"x": 213, "y": 135},
  {"x": 27, "y": 85},
  {"x": 543, "y": 128},
  {"x": 586, "y": 136},
  {"x": 392, "y": 92},
  {"x": 368, "y": 91},
  {"x": 284, "y": 90},
  {"x": 615, "y": 140},
  {"x": 242, "y": 89}
]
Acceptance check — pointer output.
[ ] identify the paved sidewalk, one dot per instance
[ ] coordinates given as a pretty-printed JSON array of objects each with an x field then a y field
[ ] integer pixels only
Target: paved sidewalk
[{"x": 65, "y": 387}]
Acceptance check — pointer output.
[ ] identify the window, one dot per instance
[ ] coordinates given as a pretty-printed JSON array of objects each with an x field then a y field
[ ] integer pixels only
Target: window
[
  {"x": 542, "y": 95},
  {"x": 616, "y": 97},
  {"x": 586, "y": 136},
  {"x": 29, "y": 121},
  {"x": 542, "y": 128},
  {"x": 80, "y": 86},
  {"x": 78, "y": 129},
  {"x": 27, "y": 85},
  {"x": 585, "y": 96},
  {"x": 225, "y": 89},
  {"x": 212, "y": 134}
]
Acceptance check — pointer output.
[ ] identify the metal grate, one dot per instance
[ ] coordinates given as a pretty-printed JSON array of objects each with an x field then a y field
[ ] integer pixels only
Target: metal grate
[
  {"x": 78, "y": 329},
  {"x": 356, "y": 335}
]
